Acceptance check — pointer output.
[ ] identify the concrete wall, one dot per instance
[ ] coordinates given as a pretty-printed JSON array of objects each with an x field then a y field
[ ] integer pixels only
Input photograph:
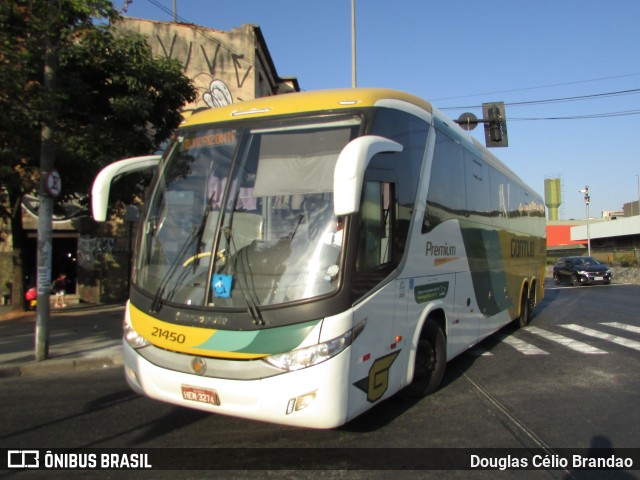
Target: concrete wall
[{"x": 226, "y": 67}]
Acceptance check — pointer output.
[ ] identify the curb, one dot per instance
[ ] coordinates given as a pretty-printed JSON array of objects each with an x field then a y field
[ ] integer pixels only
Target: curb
[
  {"x": 6, "y": 314},
  {"x": 17, "y": 315},
  {"x": 54, "y": 366}
]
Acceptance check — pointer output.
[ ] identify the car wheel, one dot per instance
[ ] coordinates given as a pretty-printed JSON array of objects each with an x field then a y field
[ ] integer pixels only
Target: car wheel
[
  {"x": 431, "y": 358},
  {"x": 556, "y": 278},
  {"x": 574, "y": 280}
]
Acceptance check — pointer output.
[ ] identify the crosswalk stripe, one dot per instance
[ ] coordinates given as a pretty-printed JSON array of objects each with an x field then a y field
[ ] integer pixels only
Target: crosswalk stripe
[
  {"x": 567, "y": 342},
  {"x": 625, "y": 342},
  {"x": 622, "y": 326},
  {"x": 522, "y": 346},
  {"x": 528, "y": 349},
  {"x": 479, "y": 352}
]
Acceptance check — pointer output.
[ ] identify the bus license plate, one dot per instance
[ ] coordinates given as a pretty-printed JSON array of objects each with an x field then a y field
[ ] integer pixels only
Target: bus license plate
[{"x": 198, "y": 394}]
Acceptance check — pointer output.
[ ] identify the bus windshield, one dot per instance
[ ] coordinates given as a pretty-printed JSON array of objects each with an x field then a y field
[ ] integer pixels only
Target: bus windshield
[{"x": 243, "y": 217}]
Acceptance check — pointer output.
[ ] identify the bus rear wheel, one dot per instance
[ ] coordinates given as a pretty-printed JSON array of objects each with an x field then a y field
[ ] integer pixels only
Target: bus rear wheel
[
  {"x": 431, "y": 358},
  {"x": 525, "y": 310}
]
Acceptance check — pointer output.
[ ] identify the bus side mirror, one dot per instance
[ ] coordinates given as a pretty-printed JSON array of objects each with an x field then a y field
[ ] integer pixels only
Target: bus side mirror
[
  {"x": 348, "y": 175},
  {"x": 102, "y": 183}
]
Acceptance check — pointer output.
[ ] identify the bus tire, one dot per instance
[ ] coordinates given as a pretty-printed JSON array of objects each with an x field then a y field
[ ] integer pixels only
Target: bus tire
[
  {"x": 532, "y": 299},
  {"x": 430, "y": 361},
  {"x": 525, "y": 310}
]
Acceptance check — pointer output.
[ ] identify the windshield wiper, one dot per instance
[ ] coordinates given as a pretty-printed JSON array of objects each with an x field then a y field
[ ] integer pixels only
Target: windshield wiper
[
  {"x": 252, "y": 308},
  {"x": 156, "y": 304}
]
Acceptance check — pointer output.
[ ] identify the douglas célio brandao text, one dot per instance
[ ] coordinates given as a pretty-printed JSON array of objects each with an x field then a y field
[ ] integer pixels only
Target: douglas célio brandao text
[{"x": 513, "y": 462}]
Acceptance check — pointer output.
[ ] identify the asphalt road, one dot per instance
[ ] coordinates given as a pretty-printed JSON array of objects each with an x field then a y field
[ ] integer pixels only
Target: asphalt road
[{"x": 569, "y": 380}]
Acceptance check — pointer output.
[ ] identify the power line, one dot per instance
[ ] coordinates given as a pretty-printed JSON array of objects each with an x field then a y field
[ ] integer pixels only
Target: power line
[
  {"x": 201, "y": 30},
  {"x": 538, "y": 87},
  {"x": 556, "y": 100},
  {"x": 165, "y": 9},
  {"x": 563, "y": 100},
  {"x": 624, "y": 113}
]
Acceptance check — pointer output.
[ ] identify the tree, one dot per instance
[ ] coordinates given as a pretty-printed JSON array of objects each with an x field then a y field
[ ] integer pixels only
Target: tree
[{"x": 112, "y": 100}]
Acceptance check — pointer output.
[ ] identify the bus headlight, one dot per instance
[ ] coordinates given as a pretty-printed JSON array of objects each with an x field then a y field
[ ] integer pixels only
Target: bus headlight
[
  {"x": 132, "y": 337},
  {"x": 309, "y": 356}
]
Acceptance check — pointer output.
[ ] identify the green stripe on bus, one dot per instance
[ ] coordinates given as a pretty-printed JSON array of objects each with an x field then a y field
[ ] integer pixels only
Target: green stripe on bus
[{"x": 263, "y": 342}]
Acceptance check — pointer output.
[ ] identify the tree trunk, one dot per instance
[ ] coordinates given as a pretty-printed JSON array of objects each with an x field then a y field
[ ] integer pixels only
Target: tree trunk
[{"x": 18, "y": 244}]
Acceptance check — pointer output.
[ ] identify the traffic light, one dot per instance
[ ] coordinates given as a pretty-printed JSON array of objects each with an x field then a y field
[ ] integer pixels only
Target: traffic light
[{"x": 495, "y": 124}]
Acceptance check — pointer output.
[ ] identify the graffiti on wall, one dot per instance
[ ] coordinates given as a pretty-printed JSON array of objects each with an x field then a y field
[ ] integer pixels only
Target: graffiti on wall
[
  {"x": 218, "y": 95},
  {"x": 207, "y": 64},
  {"x": 91, "y": 250}
]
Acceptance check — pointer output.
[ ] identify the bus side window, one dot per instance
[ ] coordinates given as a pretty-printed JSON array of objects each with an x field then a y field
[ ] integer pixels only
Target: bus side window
[
  {"x": 375, "y": 228},
  {"x": 446, "y": 197}
]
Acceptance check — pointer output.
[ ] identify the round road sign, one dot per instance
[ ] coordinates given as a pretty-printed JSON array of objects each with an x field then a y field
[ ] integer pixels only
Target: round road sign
[
  {"x": 468, "y": 121},
  {"x": 54, "y": 183}
]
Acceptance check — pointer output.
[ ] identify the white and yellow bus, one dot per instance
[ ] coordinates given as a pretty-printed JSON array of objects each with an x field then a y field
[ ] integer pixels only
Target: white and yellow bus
[{"x": 304, "y": 257}]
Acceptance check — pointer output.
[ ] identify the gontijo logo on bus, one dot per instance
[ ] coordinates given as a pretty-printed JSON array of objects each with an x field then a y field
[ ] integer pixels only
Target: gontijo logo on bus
[{"x": 523, "y": 248}]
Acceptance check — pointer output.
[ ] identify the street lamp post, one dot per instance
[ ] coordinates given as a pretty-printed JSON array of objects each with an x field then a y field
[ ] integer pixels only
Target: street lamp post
[
  {"x": 587, "y": 200},
  {"x": 353, "y": 44}
]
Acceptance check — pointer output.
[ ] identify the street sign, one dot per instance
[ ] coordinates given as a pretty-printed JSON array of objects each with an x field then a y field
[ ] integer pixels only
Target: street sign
[
  {"x": 54, "y": 183},
  {"x": 468, "y": 121}
]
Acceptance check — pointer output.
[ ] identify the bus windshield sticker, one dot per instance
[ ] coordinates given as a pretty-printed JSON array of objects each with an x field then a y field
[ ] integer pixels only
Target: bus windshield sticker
[{"x": 221, "y": 285}]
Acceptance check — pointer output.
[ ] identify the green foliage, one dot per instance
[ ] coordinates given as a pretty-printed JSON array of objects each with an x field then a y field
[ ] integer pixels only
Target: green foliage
[
  {"x": 112, "y": 99},
  {"x": 626, "y": 259}
]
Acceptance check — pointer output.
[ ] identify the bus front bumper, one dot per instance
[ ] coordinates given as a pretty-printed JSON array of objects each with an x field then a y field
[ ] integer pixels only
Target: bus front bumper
[{"x": 314, "y": 397}]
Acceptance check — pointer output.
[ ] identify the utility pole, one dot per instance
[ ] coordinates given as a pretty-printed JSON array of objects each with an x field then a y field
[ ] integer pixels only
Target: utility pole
[
  {"x": 45, "y": 209},
  {"x": 353, "y": 44}
]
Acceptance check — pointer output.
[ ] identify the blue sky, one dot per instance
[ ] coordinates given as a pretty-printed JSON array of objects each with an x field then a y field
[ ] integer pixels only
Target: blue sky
[{"x": 461, "y": 53}]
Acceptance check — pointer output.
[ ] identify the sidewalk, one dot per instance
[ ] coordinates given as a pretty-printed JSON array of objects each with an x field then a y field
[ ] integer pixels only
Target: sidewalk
[{"x": 81, "y": 336}]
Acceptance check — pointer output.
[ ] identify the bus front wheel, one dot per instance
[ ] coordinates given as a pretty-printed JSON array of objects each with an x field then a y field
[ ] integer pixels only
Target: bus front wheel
[{"x": 431, "y": 358}]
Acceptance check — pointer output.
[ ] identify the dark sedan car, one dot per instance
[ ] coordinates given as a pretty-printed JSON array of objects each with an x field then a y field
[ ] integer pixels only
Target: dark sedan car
[{"x": 581, "y": 271}]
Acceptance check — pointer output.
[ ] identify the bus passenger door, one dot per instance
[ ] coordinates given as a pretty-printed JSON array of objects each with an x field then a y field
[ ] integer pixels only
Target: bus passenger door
[{"x": 377, "y": 364}]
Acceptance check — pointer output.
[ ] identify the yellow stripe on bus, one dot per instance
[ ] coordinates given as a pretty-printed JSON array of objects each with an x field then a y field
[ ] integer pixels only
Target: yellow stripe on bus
[{"x": 180, "y": 337}]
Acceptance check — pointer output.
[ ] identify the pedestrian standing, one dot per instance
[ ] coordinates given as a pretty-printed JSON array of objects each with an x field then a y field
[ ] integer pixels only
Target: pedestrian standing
[{"x": 59, "y": 287}]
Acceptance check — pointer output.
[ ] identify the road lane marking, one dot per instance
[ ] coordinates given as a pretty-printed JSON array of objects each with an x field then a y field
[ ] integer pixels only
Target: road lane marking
[
  {"x": 622, "y": 326},
  {"x": 567, "y": 342},
  {"x": 479, "y": 352},
  {"x": 521, "y": 346},
  {"x": 625, "y": 342}
]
